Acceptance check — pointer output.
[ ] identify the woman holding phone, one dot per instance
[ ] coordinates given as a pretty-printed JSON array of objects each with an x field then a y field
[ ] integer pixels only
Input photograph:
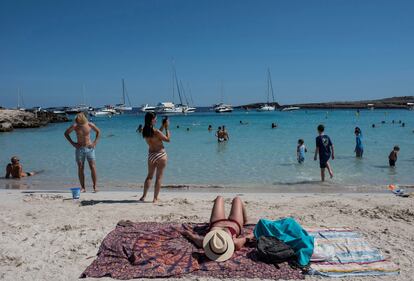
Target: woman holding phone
[{"x": 157, "y": 156}]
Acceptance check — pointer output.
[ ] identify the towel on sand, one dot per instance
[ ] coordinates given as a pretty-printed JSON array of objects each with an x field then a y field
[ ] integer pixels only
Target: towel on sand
[
  {"x": 151, "y": 250},
  {"x": 349, "y": 255},
  {"x": 291, "y": 233}
]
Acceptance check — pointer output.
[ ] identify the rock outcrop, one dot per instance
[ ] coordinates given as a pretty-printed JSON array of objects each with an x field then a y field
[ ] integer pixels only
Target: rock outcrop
[{"x": 12, "y": 119}]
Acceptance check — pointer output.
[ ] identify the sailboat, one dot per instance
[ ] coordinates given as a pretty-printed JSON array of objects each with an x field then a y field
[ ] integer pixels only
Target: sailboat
[
  {"x": 267, "y": 106},
  {"x": 81, "y": 107},
  {"x": 171, "y": 107},
  {"x": 121, "y": 107},
  {"x": 222, "y": 107},
  {"x": 20, "y": 101}
]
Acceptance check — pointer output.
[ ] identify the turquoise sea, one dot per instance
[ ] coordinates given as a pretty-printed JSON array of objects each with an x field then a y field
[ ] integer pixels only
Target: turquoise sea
[{"x": 255, "y": 157}]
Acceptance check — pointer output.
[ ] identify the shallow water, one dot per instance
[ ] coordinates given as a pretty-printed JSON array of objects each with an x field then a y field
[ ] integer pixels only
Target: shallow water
[{"x": 255, "y": 157}]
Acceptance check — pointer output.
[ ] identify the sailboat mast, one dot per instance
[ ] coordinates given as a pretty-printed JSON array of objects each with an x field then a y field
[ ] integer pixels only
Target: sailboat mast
[
  {"x": 123, "y": 91},
  {"x": 271, "y": 85},
  {"x": 18, "y": 98}
]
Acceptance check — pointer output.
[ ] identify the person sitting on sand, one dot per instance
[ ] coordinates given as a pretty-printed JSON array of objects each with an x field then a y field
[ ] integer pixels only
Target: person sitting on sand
[
  {"x": 85, "y": 148},
  {"x": 15, "y": 169},
  {"x": 157, "y": 156},
  {"x": 225, "y": 234}
]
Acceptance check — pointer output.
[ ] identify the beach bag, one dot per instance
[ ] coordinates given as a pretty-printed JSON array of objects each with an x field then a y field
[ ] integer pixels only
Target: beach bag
[{"x": 273, "y": 251}]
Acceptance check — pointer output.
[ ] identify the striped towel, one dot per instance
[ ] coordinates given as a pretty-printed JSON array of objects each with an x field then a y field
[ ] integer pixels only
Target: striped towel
[{"x": 349, "y": 255}]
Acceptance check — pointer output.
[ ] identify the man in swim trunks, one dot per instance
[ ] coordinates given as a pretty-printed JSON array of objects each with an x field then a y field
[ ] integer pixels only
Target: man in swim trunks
[
  {"x": 15, "y": 169},
  {"x": 85, "y": 148},
  {"x": 232, "y": 226}
]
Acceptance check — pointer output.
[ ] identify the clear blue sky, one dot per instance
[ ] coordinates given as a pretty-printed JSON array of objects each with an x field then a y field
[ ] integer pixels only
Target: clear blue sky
[{"x": 316, "y": 50}]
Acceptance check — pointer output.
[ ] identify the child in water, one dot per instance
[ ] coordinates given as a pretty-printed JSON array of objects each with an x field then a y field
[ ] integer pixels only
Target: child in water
[
  {"x": 359, "y": 148},
  {"x": 325, "y": 149},
  {"x": 300, "y": 151},
  {"x": 392, "y": 158}
]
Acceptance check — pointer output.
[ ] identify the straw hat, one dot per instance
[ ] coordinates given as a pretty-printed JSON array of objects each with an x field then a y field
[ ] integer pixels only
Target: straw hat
[{"x": 218, "y": 245}]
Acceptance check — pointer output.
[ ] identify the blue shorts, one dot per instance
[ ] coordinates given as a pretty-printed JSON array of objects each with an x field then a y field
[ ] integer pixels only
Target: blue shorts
[{"x": 85, "y": 152}]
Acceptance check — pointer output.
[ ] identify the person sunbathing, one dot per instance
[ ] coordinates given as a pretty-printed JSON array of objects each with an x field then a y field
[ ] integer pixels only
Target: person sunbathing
[
  {"x": 15, "y": 169},
  {"x": 225, "y": 234}
]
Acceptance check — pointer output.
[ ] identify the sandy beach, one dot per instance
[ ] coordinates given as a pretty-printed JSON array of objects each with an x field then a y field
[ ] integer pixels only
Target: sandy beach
[{"x": 48, "y": 236}]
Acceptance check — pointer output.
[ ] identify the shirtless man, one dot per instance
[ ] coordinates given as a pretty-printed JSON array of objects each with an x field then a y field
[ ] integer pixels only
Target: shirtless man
[
  {"x": 85, "y": 148},
  {"x": 15, "y": 169}
]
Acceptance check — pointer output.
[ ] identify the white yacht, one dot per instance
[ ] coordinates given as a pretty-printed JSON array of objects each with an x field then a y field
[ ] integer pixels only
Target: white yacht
[
  {"x": 291, "y": 108},
  {"x": 147, "y": 108},
  {"x": 267, "y": 106},
  {"x": 108, "y": 110},
  {"x": 170, "y": 108},
  {"x": 79, "y": 108},
  {"x": 222, "y": 108}
]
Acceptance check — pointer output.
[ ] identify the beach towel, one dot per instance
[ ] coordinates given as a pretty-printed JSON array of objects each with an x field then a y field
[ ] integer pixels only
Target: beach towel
[
  {"x": 291, "y": 233},
  {"x": 156, "y": 250},
  {"x": 348, "y": 254}
]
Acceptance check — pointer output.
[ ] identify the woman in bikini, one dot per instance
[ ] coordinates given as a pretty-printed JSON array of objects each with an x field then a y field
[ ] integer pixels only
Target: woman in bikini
[
  {"x": 157, "y": 156},
  {"x": 232, "y": 225}
]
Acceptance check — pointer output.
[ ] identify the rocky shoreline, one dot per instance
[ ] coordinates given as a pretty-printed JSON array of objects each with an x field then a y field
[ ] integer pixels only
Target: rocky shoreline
[{"x": 13, "y": 119}]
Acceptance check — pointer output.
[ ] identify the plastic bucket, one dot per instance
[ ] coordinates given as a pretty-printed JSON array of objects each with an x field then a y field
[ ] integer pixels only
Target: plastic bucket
[{"x": 75, "y": 192}]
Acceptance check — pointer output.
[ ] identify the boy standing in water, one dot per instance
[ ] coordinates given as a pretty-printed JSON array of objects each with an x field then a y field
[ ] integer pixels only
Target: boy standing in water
[
  {"x": 300, "y": 151},
  {"x": 324, "y": 148},
  {"x": 392, "y": 158}
]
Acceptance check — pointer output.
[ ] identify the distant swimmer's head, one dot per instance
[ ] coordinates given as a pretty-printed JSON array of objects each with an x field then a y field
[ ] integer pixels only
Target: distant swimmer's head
[
  {"x": 150, "y": 121},
  {"x": 14, "y": 160},
  {"x": 81, "y": 119},
  {"x": 321, "y": 128}
]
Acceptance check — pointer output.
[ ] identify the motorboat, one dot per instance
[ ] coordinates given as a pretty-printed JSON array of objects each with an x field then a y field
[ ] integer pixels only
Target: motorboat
[
  {"x": 266, "y": 107},
  {"x": 108, "y": 110},
  {"x": 79, "y": 108},
  {"x": 222, "y": 108},
  {"x": 170, "y": 108},
  {"x": 147, "y": 108},
  {"x": 291, "y": 108}
]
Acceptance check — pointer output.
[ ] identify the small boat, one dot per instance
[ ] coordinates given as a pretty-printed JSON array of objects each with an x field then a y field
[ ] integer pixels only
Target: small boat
[
  {"x": 147, "y": 108},
  {"x": 108, "y": 110},
  {"x": 170, "y": 108},
  {"x": 79, "y": 108},
  {"x": 291, "y": 108},
  {"x": 121, "y": 107},
  {"x": 267, "y": 106},
  {"x": 222, "y": 108},
  {"x": 371, "y": 106},
  {"x": 410, "y": 106}
]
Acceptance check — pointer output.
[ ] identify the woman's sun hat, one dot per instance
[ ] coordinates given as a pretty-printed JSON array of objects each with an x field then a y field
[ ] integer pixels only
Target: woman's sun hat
[{"x": 218, "y": 245}]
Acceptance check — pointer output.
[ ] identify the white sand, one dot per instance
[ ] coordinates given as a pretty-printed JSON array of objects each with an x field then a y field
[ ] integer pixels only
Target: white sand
[{"x": 44, "y": 236}]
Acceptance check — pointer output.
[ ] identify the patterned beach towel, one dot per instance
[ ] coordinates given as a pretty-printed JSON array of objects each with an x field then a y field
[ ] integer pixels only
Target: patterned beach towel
[
  {"x": 154, "y": 250},
  {"x": 349, "y": 255}
]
